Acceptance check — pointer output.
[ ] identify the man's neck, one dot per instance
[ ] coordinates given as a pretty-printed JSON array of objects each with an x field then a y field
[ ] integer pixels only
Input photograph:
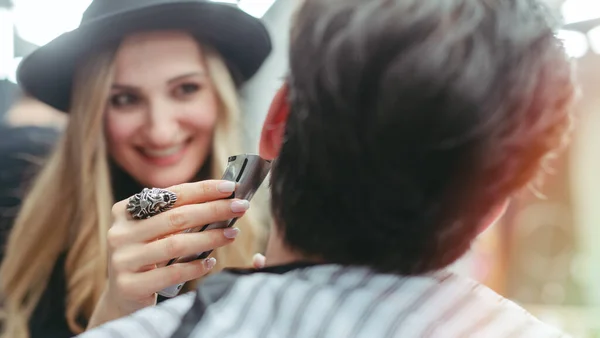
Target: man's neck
[{"x": 278, "y": 253}]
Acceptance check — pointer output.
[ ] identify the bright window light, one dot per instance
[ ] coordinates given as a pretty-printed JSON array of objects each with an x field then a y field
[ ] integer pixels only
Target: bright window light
[
  {"x": 576, "y": 44},
  {"x": 6, "y": 42},
  {"x": 580, "y": 10},
  {"x": 40, "y": 21},
  {"x": 12, "y": 73},
  {"x": 594, "y": 38},
  {"x": 256, "y": 8}
]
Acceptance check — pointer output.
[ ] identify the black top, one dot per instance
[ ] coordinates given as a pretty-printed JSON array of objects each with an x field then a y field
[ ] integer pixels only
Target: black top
[
  {"x": 17, "y": 147},
  {"x": 48, "y": 320}
]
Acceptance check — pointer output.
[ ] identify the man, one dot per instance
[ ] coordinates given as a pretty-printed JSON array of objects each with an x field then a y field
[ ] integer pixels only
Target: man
[{"x": 403, "y": 130}]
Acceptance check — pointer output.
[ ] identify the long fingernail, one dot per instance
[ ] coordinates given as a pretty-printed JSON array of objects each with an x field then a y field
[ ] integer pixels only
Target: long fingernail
[
  {"x": 226, "y": 187},
  {"x": 210, "y": 263},
  {"x": 240, "y": 206},
  {"x": 231, "y": 233}
]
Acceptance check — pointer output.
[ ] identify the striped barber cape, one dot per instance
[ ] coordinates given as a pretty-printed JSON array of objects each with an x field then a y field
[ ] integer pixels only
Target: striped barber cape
[{"x": 318, "y": 301}]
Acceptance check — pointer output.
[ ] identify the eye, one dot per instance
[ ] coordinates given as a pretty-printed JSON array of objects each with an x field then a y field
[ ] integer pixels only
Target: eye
[
  {"x": 123, "y": 99},
  {"x": 187, "y": 89}
]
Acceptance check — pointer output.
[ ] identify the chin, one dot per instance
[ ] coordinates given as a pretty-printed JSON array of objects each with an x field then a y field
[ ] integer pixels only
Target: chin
[
  {"x": 163, "y": 176},
  {"x": 167, "y": 179}
]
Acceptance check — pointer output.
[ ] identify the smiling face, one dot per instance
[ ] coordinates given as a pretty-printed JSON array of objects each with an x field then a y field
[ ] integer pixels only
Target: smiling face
[{"x": 162, "y": 108}]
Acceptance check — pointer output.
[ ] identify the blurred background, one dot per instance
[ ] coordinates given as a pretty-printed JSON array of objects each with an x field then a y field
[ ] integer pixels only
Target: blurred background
[{"x": 544, "y": 254}]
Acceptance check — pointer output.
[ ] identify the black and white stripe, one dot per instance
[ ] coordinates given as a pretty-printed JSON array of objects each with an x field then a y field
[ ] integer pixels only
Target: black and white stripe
[
  {"x": 278, "y": 297},
  {"x": 333, "y": 301},
  {"x": 367, "y": 314}
]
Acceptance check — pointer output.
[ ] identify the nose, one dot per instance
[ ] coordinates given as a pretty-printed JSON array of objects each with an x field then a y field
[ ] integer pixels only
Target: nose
[{"x": 161, "y": 124}]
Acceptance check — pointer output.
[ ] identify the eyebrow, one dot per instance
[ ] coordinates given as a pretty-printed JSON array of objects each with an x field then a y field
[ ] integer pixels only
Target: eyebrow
[
  {"x": 192, "y": 74},
  {"x": 177, "y": 78}
]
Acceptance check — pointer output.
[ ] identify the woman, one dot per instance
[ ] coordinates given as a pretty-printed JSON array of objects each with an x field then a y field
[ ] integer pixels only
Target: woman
[{"x": 150, "y": 88}]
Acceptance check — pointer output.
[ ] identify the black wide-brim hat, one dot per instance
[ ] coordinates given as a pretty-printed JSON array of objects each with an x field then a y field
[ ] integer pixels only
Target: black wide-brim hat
[{"x": 243, "y": 41}]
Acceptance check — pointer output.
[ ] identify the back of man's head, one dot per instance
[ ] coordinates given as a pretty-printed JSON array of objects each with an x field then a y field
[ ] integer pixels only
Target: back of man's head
[{"x": 409, "y": 121}]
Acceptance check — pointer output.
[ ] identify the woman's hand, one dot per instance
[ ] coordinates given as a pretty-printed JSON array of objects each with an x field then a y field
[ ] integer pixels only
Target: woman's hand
[
  {"x": 139, "y": 249},
  {"x": 259, "y": 261}
]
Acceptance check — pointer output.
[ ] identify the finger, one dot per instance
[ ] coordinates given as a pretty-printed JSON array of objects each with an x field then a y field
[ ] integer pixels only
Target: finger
[
  {"x": 187, "y": 193},
  {"x": 258, "y": 261},
  {"x": 179, "y": 245},
  {"x": 186, "y": 217},
  {"x": 175, "y": 221},
  {"x": 202, "y": 191},
  {"x": 141, "y": 285}
]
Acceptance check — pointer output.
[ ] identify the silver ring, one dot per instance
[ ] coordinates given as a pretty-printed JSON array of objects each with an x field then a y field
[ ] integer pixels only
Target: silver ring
[{"x": 150, "y": 202}]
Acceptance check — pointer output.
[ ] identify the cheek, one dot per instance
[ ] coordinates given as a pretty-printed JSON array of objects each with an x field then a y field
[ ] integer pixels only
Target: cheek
[
  {"x": 119, "y": 129},
  {"x": 201, "y": 119}
]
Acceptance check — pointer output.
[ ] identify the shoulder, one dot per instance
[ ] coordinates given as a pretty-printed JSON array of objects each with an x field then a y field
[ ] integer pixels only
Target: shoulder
[
  {"x": 156, "y": 321},
  {"x": 487, "y": 313},
  {"x": 171, "y": 316},
  {"x": 445, "y": 304}
]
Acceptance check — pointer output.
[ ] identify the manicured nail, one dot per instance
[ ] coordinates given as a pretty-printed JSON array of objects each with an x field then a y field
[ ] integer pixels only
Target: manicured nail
[
  {"x": 240, "y": 206},
  {"x": 210, "y": 263},
  {"x": 226, "y": 187},
  {"x": 231, "y": 233}
]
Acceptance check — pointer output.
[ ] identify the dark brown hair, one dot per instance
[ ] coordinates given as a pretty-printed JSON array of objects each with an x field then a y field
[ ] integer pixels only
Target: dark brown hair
[{"x": 410, "y": 120}]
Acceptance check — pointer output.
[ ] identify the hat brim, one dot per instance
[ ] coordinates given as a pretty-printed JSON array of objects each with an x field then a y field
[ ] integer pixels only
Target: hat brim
[
  {"x": 583, "y": 26},
  {"x": 243, "y": 41}
]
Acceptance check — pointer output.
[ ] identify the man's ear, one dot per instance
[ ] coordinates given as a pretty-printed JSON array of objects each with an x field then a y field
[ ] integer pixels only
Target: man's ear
[{"x": 271, "y": 137}]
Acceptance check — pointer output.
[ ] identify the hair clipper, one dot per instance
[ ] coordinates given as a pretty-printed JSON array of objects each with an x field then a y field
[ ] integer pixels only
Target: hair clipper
[{"x": 248, "y": 171}]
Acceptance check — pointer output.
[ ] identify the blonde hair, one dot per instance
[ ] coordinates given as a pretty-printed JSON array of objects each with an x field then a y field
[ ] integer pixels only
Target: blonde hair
[{"x": 68, "y": 207}]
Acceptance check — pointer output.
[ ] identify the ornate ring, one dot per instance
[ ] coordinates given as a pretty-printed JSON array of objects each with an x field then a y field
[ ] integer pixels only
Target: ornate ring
[{"x": 150, "y": 202}]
